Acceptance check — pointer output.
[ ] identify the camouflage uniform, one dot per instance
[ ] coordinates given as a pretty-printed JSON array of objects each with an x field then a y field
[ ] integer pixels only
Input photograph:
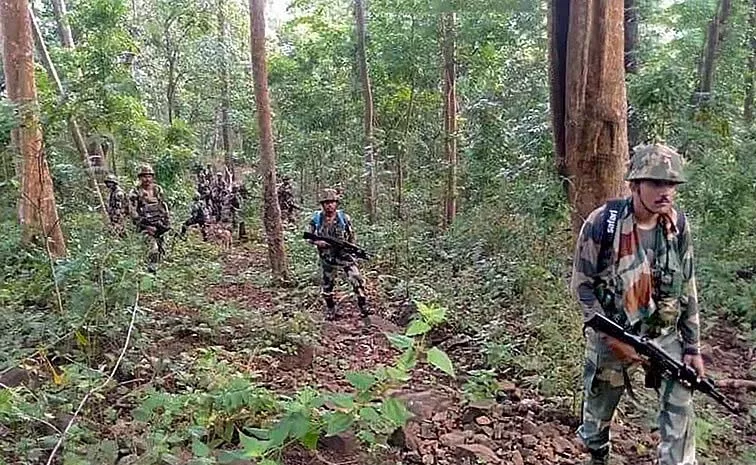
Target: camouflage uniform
[
  {"x": 218, "y": 190},
  {"x": 286, "y": 201},
  {"x": 150, "y": 215},
  {"x": 332, "y": 260},
  {"x": 651, "y": 277},
  {"x": 117, "y": 205},
  {"x": 230, "y": 206},
  {"x": 197, "y": 215}
]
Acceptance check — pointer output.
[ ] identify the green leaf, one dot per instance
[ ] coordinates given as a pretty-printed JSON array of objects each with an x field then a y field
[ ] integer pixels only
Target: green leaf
[
  {"x": 394, "y": 411},
  {"x": 397, "y": 374},
  {"x": 408, "y": 360},
  {"x": 338, "y": 422},
  {"x": 343, "y": 400},
  {"x": 367, "y": 437},
  {"x": 417, "y": 328},
  {"x": 253, "y": 447},
  {"x": 432, "y": 314},
  {"x": 369, "y": 414},
  {"x": 270, "y": 462},
  {"x": 440, "y": 360},
  {"x": 400, "y": 342},
  {"x": 300, "y": 425},
  {"x": 310, "y": 440},
  {"x": 361, "y": 380},
  {"x": 199, "y": 449},
  {"x": 280, "y": 432}
]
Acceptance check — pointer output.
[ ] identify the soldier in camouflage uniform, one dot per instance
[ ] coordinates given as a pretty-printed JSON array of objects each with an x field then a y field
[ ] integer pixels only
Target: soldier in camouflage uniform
[
  {"x": 218, "y": 191},
  {"x": 230, "y": 206},
  {"x": 150, "y": 213},
  {"x": 644, "y": 279},
  {"x": 286, "y": 201},
  {"x": 197, "y": 215},
  {"x": 117, "y": 205},
  {"x": 331, "y": 222}
]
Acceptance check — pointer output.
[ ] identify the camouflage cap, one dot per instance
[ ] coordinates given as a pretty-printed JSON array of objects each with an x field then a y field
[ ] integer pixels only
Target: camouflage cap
[
  {"x": 111, "y": 178},
  {"x": 145, "y": 170},
  {"x": 657, "y": 162},
  {"x": 329, "y": 195}
]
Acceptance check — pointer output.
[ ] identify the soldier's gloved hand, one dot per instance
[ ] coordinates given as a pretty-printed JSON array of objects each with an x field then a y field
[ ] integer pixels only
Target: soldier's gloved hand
[
  {"x": 622, "y": 351},
  {"x": 695, "y": 362}
]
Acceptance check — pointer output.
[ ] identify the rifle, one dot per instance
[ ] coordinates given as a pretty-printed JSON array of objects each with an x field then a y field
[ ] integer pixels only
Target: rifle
[
  {"x": 347, "y": 247},
  {"x": 659, "y": 363}
]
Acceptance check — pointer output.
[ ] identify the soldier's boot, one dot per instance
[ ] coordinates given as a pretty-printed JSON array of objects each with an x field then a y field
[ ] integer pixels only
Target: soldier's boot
[
  {"x": 182, "y": 234},
  {"x": 330, "y": 311},
  {"x": 242, "y": 231},
  {"x": 599, "y": 457},
  {"x": 363, "y": 306}
]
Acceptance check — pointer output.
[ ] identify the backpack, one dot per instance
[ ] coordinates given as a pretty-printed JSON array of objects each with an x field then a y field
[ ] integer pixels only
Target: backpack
[
  {"x": 317, "y": 219},
  {"x": 609, "y": 219}
]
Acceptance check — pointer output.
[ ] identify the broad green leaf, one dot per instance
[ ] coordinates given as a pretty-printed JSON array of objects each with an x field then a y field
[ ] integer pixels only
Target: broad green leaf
[
  {"x": 361, "y": 380},
  {"x": 432, "y": 313},
  {"x": 369, "y": 414},
  {"x": 280, "y": 432},
  {"x": 440, "y": 360},
  {"x": 417, "y": 328},
  {"x": 343, "y": 400},
  {"x": 310, "y": 440},
  {"x": 199, "y": 449},
  {"x": 300, "y": 425},
  {"x": 394, "y": 411},
  {"x": 398, "y": 374},
  {"x": 338, "y": 422},
  {"x": 253, "y": 447},
  {"x": 408, "y": 360},
  {"x": 367, "y": 437},
  {"x": 227, "y": 457},
  {"x": 400, "y": 341}
]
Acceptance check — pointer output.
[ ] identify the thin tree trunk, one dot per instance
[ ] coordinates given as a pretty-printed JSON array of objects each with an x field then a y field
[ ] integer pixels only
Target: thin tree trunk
[
  {"x": 712, "y": 50},
  {"x": 64, "y": 28},
  {"x": 751, "y": 71},
  {"x": 631, "y": 36},
  {"x": 271, "y": 209},
  {"x": 367, "y": 101},
  {"x": 37, "y": 211},
  {"x": 450, "y": 115},
  {"x": 223, "y": 40},
  {"x": 73, "y": 125},
  {"x": 590, "y": 106}
]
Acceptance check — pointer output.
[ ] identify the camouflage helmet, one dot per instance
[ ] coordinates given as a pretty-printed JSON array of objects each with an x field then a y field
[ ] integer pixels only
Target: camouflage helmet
[
  {"x": 329, "y": 195},
  {"x": 111, "y": 178},
  {"x": 145, "y": 170},
  {"x": 656, "y": 162}
]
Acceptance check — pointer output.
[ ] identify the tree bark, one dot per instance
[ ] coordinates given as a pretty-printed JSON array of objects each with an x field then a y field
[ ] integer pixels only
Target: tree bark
[
  {"x": 367, "y": 100},
  {"x": 631, "y": 36},
  {"x": 61, "y": 19},
  {"x": 224, "y": 78},
  {"x": 751, "y": 70},
  {"x": 267, "y": 166},
  {"x": 73, "y": 125},
  {"x": 37, "y": 211},
  {"x": 589, "y": 101},
  {"x": 448, "y": 27},
  {"x": 712, "y": 50}
]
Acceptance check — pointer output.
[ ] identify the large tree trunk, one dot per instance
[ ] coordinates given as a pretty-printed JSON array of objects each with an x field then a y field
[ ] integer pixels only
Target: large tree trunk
[
  {"x": 751, "y": 70},
  {"x": 588, "y": 101},
  {"x": 73, "y": 125},
  {"x": 367, "y": 100},
  {"x": 224, "y": 78},
  {"x": 712, "y": 49},
  {"x": 64, "y": 28},
  {"x": 448, "y": 26},
  {"x": 271, "y": 209},
  {"x": 36, "y": 208}
]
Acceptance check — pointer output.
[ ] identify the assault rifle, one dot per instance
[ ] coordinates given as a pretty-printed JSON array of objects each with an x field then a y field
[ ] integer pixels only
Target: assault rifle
[
  {"x": 337, "y": 244},
  {"x": 659, "y": 363}
]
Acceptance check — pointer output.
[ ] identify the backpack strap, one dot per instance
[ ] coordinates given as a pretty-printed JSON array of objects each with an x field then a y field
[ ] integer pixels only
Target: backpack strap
[
  {"x": 609, "y": 219},
  {"x": 342, "y": 218},
  {"x": 317, "y": 219}
]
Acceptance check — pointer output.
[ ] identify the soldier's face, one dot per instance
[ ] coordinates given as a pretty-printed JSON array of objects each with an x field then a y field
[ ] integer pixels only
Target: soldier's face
[
  {"x": 657, "y": 196},
  {"x": 329, "y": 207},
  {"x": 146, "y": 179}
]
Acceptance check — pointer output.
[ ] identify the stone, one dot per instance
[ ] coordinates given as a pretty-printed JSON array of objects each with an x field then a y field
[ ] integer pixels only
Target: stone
[
  {"x": 340, "y": 444},
  {"x": 481, "y": 452},
  {"x": 15, "y": 377},
  {"x": 452, "y": 438},
  {"x": 528, "y": 427},
  {"x": 528, "y": 440},
  {"x": 483, "y": 420},
  {"x": 484, "y": 440},
  {"x": 517, "y": 458},
  {"x": 428, "y": 459},
  {"x": 425, "y": 404},
  {"x": 563, "y": 446}
]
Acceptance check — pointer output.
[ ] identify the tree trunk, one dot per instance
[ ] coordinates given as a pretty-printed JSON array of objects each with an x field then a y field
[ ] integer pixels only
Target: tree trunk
[
  {"x": 73, "y": 125},
  {"x": 631, "y": 36},
  {"x": 448, "y": 26},
  {"x": 589, "y": 103},
  {"x": 61, "y": 19},
  {"x": 271, "y": 209},
  {"x": 712, "y": 50},
  {"x": 367, "y": 100},
  {"x": 751, "y": 71},
  {"x": 224, "y": 79},
  {"x": 36, "y": 208}
]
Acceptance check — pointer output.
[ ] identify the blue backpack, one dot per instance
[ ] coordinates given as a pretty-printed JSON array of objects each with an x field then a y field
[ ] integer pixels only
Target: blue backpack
[{"x": 317, "y": 219}]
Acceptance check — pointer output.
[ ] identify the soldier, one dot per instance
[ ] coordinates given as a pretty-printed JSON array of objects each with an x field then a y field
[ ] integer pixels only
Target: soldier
[
  {"x": 286, "y": 201},
  {"x": 117, "y": 205},
  {"x": 197, "y": 215},
  {"x": 331, "y": 222},
  {"x": 230, "y": 206},
  {"x": 218, "y": 193},
  {"x": 150, "y": 213},
  {"x": 634, "y": 264}
]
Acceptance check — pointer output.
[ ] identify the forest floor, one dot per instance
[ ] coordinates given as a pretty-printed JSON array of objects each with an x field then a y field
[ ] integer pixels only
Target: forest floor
[{"x": 518, "y": 427}]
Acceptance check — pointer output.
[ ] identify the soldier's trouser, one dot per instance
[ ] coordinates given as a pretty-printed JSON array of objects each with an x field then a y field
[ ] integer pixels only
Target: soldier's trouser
[
  {"x": 191, "y": 222},
  {"x": 329, "y": 280},
  {"x": 604, "y": 385}
]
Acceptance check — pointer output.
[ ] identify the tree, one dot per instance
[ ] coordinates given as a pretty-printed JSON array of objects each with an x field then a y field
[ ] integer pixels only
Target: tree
[
  {"x": 367, "y": 101},
  {"x": 712, "y": 49},
  {"x": 750, "y": 75},
  {"x": 448, "y": 30},
  {"x": 631, "y": 36},
  {"x": 589, "y": 108},
  {"x": 271, "y": 209},
  {"x": 224, "y": 101},
  {"x": 37, "y": 211},
  {"x": 61, "y": 20}
]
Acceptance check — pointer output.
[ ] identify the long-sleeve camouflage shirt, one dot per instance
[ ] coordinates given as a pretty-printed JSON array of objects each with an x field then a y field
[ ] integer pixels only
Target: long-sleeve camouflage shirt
[{"x": 629, "y": 274}]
